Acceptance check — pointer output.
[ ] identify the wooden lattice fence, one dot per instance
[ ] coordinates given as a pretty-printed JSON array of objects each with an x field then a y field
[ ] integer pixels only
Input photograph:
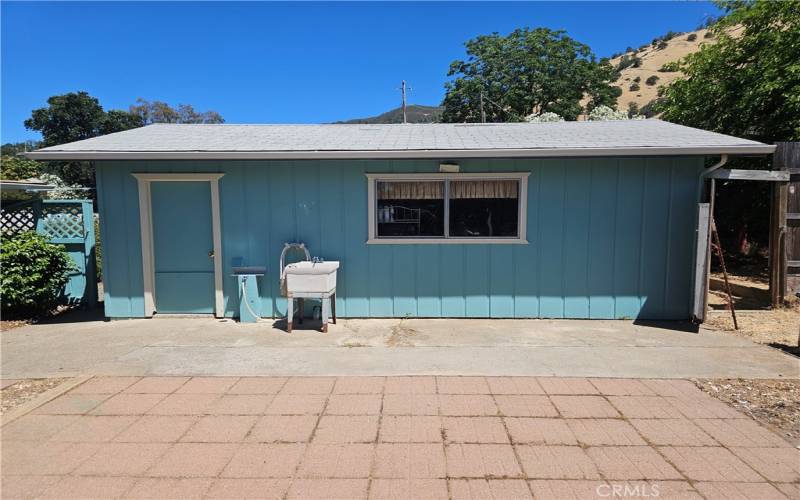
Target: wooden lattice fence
[{"x": 64, "y": 222}]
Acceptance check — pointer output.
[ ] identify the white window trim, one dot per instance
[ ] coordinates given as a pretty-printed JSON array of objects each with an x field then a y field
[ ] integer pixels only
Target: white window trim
[
  {"x": 520, "y": 239},
  {"x": 146, "y": 228}
]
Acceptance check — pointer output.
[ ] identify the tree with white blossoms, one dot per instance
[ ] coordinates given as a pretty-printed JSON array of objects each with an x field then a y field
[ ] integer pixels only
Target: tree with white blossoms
[
  {"x": 604, "y": 114},
  {"x": 548, "y": 117},
  {"x": 63, "y": 190}
]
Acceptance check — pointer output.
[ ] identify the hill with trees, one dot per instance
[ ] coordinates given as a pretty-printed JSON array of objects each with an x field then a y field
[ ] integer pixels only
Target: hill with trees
[{"x": 415, "y": 113}]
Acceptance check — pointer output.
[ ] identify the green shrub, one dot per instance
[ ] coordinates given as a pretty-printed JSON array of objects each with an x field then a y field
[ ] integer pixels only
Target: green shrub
[
  {"x": 669, "y": 67},
  {"x": 15, "y": 168},
  {"x": 34, "y": 273},
  {"x": 634, "y": 87},
  {"x": 692, "y": 37},
  {"x": 651, "y": 80},
  {"x": 709, "y": 34},
  {"x": 637, "y": 79},
  {"x": 629, "y": 61}
]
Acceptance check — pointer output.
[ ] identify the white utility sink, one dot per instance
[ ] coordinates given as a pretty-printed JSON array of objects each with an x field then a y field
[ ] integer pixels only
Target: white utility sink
[{"x": 311, "y": 277}]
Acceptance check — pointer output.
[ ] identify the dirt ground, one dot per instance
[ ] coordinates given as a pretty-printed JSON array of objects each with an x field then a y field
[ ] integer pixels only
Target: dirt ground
[
  {"x": 6, "y": 325},
  {"x": 758, "y": 322},
  {"x": 775, "y": 403},
  {"x": 24, "y": 390}
]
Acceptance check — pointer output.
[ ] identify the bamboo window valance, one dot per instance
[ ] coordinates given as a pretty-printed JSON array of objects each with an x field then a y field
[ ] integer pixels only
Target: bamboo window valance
[
  {"x": 414, "y": 190},
  {"x": 434, "y": 190},
  {"x": 484, "y": 189}
]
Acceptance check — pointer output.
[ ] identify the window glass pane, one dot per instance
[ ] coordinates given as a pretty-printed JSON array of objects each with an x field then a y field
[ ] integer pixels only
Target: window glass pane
[
  {"x": 484, "y": 208},
  {"x": 410, "y": 208}
]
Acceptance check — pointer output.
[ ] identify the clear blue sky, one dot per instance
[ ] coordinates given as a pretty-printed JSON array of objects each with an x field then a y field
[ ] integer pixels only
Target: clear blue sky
[{"x": 277, "y": 62}]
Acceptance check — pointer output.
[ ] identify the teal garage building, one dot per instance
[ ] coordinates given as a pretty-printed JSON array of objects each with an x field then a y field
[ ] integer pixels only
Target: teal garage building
[{"x": 548, "y": 220}]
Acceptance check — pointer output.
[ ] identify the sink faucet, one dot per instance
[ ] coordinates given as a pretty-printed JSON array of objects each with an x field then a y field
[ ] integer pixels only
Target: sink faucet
[{"x": 317, "y": 260}]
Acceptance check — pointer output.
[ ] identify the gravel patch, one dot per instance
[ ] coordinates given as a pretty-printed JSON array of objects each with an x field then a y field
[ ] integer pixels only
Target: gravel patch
[
  {"x": 774, "y": 403},
  {"x": 22, "y": 391}
]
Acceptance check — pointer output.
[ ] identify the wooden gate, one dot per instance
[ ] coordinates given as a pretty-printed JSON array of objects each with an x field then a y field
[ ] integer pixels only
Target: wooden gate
[
  {"x": 64, "y": 222},
  {"x": 787, "y": 157}
]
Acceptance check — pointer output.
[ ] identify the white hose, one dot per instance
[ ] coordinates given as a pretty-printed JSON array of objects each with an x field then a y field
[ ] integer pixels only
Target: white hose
[
  {"x": 247, "y": 304},
  {"x": 286, "y": 248}
]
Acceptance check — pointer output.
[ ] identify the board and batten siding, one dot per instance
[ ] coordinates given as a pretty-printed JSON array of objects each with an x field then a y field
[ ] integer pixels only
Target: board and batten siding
[{"x": 608, "y": 238}]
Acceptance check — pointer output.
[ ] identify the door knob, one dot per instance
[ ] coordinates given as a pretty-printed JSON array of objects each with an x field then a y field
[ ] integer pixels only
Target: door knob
[{"x": 211, "y": 254}]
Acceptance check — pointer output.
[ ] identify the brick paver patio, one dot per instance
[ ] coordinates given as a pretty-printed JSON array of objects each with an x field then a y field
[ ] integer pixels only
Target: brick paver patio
[{"x": 393, "y": 437}]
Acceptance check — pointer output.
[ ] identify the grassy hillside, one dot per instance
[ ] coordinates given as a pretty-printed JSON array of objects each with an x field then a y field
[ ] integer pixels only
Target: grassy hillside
[
  {"x": 649, "y": 61},
  {"x": 414, "y": 114}
]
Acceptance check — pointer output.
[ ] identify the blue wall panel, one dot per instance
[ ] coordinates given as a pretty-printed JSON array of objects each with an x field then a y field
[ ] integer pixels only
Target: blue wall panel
[
  {"x": 608, "y": 238},
  {"x": 576, "y": 241},
  {"x": 627, "y": 238},
  {"x": 551, "y": 240}
]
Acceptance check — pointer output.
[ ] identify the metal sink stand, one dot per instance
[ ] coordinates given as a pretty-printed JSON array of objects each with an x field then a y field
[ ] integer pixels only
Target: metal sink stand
[
  {"x": 328, "y": 300},
  {"x": 328, "y": 306}
]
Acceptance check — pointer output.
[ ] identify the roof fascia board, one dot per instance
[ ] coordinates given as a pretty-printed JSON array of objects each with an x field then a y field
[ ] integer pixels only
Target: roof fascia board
[{"x": 399, "y": 154}]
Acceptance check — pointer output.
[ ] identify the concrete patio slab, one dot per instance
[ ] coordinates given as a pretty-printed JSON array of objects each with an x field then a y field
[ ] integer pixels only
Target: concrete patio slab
[
  {"x": 291, "y": 454},
  {"x": 206, "y": 346}
]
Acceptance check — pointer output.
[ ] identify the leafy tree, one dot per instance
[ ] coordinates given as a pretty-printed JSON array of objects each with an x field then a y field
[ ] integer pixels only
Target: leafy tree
[
  {"x": 747, "y": 85},
  {"x": 13, "y": 148},
  {"x": 15, "y": 168},
  {"x": 67, "y": 118},
  {"x": 161, "y": 112},
  {"x": 117, "y": 121},
  {"x": 77, "y": 115},
  {"x": 651, "y": 109},
  {"x": 527, "y": 72},
  {"x": 73, "y": 117}
]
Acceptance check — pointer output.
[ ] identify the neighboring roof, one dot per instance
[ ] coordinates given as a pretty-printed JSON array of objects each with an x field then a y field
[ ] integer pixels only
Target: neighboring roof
[
  {"x": 26, "y": 185},
  {"x": 430, "y": 140}
]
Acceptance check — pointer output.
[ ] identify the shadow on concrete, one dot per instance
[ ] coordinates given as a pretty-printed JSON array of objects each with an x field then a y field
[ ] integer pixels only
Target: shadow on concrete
[
  {"x": 76, "y": 315},
  {"x": 677, "y": 326},
  {"x": 788, "y": 349},
  {"x": 308, "y": 325}
]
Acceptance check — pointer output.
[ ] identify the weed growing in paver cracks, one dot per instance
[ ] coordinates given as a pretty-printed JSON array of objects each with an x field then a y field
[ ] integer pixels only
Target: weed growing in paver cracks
[{"x": 400, "y": 335}]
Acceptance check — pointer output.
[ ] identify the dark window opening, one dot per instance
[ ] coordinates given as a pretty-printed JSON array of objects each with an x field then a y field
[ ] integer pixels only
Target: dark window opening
[
  {"x": 477, "y": 208},
  {"x": 410, "y": 209},
  {"x": 484, "y": 208},
  {"x": 483, "y": 218}
]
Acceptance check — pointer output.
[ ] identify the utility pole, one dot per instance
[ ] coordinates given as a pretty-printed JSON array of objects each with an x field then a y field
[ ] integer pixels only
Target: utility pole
[
  {"x": 483, "y": 113},
  {"x": 403, "y": 89}
]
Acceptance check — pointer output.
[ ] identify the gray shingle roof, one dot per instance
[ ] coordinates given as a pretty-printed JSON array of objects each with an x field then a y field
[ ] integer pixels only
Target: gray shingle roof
[{"x": 611, "y": 138}]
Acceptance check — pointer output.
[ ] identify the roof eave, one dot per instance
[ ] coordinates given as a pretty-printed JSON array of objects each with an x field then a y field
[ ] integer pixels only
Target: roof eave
[{"x": 755, "y": 149}]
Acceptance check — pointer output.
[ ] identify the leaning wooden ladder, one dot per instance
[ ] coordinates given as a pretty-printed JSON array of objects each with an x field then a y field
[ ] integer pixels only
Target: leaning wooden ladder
[{"x": 716, "y": 246}]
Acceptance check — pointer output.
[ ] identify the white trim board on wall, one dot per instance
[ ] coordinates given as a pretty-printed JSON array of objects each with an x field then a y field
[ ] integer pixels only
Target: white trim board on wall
[
  {"x": 522, "y": 219},
  {"x": 146, "y": 228}
]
